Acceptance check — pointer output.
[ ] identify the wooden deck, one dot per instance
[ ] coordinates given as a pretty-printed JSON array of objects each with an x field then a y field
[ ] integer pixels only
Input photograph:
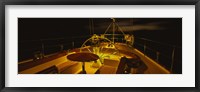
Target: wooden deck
[{"x": 110, "y": 63}]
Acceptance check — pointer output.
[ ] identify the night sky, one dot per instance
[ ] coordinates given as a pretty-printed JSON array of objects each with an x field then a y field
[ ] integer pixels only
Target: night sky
[
  {"x": 31, "y": 32},
  {"x": 167, "y": 30}
]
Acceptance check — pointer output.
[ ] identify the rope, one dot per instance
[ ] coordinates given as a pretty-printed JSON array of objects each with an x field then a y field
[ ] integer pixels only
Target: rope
[
  {"x": 107, "y": 28},
  {"x": 120, "y": 29}
]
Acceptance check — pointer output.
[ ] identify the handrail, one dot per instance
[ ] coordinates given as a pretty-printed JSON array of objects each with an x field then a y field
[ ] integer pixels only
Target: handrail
[
  {"x": 158, "y": 54},
  {"x": 51, "y": 39},
  {"x": 143, "y": 45},
  {"x": 158, "y": 42}
]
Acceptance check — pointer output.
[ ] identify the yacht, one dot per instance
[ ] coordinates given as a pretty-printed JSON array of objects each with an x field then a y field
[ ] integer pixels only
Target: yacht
[{"x": 108, "y": 53}]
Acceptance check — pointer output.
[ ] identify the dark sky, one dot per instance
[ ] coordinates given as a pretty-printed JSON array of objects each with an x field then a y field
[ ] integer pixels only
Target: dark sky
[
  {"x": 167, "y": 30},
  {"x": 77, "y": 30}
]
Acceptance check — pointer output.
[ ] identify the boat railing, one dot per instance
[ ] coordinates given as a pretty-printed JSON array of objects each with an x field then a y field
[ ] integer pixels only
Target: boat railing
[
  {"x": 44, "y": 47},
  {"x": 164, "y": 54},
  {"x": 167, "y": 55}
]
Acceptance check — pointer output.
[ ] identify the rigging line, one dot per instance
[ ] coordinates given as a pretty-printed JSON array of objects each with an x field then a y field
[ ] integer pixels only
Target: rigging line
[
  {"x": 107, "y": 28},
  {"x": 120, "y": 28}
]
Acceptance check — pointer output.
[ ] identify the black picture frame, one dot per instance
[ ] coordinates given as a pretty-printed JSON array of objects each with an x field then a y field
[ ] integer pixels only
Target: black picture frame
[{"x": 3, "y": 3}]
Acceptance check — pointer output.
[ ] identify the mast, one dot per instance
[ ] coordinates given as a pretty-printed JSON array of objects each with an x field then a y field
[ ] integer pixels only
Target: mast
[{"x": 113, "y": 30}]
